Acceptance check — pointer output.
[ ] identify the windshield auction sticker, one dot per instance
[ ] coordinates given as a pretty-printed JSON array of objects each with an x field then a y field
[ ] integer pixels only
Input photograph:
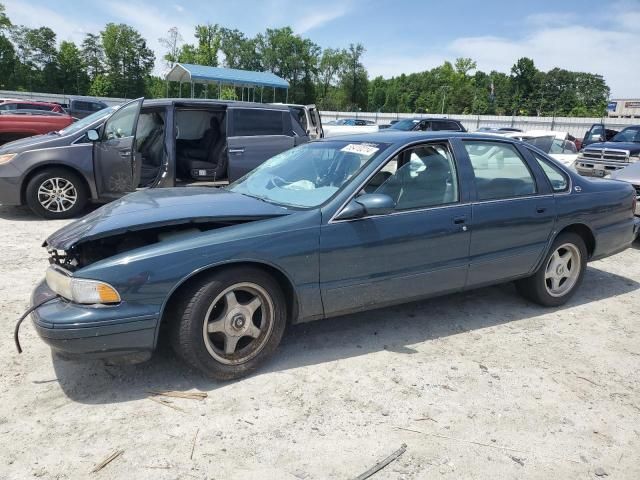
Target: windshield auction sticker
[{"x": 361, "y": 148}]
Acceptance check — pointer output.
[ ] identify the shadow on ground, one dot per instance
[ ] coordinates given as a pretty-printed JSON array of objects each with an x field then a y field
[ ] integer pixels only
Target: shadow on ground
[
  {"x": 394, "y": 329},
  {"x": 24, "y": 214}
]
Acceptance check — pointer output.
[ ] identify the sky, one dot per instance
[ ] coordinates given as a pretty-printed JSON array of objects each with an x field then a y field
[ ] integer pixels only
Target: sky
[{"x": 401, "y": 36}]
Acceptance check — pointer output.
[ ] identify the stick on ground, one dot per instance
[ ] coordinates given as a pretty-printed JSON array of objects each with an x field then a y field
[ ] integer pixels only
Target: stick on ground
[
  {"x": 193, "y": 445},
  {"x": 189, "y": 395},
  {"x": 107, "y": 461},
  {"x": 380, "y": 465}
]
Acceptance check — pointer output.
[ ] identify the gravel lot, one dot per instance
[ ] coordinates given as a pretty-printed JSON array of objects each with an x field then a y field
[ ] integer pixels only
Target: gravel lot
[{"x": 478, "y": 385}]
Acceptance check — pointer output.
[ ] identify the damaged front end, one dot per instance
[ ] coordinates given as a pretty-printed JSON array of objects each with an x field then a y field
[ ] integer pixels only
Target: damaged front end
[{"x": 87, "y": 251}]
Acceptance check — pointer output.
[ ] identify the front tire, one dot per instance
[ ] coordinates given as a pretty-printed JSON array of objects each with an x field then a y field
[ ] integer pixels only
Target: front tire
[
  {"x": 228, "y": 323},
  {"x": 560, "y": 274},
  {"x": 56, "y": 193}
]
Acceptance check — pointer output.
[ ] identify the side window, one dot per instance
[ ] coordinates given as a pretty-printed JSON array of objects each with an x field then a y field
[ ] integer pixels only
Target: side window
[
  {"x": 122, "y": 123},
  {"x": 81, "y": 106},
  {"x": 445, "y": 125},
  {"x": 8, "y": 106},
  {"x": 419, "y": 177},
  {"x": 251, "y": 122},
  {"x": 557, "y": 178},
  {"x": 500, "y": 171}
]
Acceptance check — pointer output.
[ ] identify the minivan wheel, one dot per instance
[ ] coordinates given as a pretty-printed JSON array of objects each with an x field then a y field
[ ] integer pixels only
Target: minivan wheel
[
  {"x": 56, "y": 193},
  {"x": 560, "y": 274},
  {"x": 228, "y": 323}
]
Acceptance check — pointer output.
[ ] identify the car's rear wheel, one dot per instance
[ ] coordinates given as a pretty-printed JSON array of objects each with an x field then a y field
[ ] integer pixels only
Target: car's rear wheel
[
  {"x": 56, "y": 193},
  {"x": 229, "y": 322},
  {"x": 560, "y": 274}
]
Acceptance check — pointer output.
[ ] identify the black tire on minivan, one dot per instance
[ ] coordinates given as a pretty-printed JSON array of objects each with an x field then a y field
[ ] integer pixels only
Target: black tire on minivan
[
  {"x": 56, "y": 193},
  {"x": 559, "y": 275}
]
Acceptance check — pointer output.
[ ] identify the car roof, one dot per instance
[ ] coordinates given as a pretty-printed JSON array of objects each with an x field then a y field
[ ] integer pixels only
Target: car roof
[
  {"x": 163, "y": 102},
  {"x": 400, "y": 137},
  {"x": 429, "y": 118},
  {"x": 31, "y": 102}
]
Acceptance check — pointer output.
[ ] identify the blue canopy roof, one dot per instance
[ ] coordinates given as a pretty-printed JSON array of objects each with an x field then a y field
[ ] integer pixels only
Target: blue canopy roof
[{"x": 185, "y": 72}]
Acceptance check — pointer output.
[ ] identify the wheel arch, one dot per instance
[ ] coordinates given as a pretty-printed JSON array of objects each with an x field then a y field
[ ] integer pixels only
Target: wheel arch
[
  {"x": 284, "y": 281},
  {"x": 584, "y": 231},
  {"x": 48, "y": 166}
]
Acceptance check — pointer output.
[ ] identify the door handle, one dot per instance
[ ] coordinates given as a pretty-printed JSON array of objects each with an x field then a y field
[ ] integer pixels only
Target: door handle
[
  {"x": 541, "y": 209},
  {"x": 125, "y": 153},
  {"x": 459, "y": 220},
  {"x": 236, "y": 150}
]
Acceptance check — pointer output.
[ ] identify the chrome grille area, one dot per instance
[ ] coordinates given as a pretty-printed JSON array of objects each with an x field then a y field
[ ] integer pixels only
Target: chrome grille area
[{"x": 605, "y": 155}]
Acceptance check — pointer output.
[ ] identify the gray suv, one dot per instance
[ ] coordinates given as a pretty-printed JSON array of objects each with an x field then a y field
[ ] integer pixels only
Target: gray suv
[{"x": 143, "y": 144}]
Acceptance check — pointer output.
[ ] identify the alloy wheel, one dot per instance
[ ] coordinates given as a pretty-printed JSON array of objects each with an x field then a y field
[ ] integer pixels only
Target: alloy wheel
[
  {"x": 57, "y": 195},
  {"x": 238, "y": 323},
  {"x": 562, "y": 270}
]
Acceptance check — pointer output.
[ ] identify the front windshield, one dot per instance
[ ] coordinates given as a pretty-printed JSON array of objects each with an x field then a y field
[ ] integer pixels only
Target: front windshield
[
  {"x": 86, "y": 121},
  {"x": 308, "y": 175},
  {"x": 630, "y": 134},
  {"x": 406, "y": 124}
]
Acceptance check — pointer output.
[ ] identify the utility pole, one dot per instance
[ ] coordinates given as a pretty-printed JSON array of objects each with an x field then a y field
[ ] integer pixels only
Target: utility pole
[{"x": 444, "y": 96}]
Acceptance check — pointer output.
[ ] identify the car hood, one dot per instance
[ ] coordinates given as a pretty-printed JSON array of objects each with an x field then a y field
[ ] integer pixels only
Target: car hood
[
  {"x": 163, "y": 207},
  {"x": 30, "y": 143},
  {"x": 633, "y": 147},
  {"x": 629, "y": 174}
]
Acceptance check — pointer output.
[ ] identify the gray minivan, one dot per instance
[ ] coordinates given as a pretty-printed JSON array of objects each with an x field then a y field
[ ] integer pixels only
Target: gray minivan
[{"x": 143, "y": 144}]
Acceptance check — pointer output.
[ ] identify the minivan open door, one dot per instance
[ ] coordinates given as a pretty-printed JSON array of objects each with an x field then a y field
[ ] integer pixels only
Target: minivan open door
[
  {"x": 315, "y": 126},
  {"x": 114, "y": 158}
]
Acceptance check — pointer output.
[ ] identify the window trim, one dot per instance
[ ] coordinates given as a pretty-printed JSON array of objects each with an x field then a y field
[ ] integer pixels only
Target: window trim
[
  {"x": 459, "y": 202},
  {"x": 536, "y": 193},
  {"x": 567, "y": 177}
]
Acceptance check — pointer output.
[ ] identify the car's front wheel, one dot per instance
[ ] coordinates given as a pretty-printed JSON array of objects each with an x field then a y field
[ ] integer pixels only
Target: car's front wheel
[
  {"x": 56, "y": 193},
  {"x": 560, "y": 274},
  {"x": 228, "y": 323}
]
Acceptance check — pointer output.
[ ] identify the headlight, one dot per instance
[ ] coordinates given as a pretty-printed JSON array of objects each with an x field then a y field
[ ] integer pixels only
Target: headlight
[
  {"x": 80, "y": 290},
  {"x": 7, "y": 157},
  {"x": 634, "y": 158}
]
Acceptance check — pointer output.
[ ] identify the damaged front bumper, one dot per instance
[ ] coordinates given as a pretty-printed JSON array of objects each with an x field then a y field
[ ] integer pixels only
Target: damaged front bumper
[{"x": 93, "y": 331}]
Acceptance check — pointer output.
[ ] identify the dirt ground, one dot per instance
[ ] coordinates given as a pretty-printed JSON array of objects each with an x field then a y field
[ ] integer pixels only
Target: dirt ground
[{"x": 477, "y": 385}]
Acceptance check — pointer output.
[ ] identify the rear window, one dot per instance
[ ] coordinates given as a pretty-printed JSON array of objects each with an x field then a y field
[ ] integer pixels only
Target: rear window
[
  {"x": 445, "y": 125},
  {"x": 249, "y": 122}
]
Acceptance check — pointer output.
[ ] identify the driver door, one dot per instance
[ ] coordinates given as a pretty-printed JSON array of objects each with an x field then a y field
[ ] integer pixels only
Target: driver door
[{"x": 114, "y": 155}]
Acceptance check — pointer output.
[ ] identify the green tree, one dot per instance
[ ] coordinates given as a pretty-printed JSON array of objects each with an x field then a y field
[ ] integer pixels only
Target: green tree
[
  {"x": 354, "y": 79},
  {"x": 101, "y": 86},
  {"x": 128, "y": 60},
  {"x": 525, "y": 83},
  {"x": 92, "y": 55},
  {"x": 72, "y": 74}
]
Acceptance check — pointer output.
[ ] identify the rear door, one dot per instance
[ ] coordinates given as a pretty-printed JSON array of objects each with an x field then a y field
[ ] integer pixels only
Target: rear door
[
  {"x": 315, "y": 125},
  {"x": 513, "y": 212},
  {"x": 256, "y": 134},
  {"x": 113, "y": 158}
]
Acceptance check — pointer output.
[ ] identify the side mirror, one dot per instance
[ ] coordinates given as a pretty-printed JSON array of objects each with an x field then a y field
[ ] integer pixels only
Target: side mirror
[
  {"x": 367, "y": 204},
  {"x": 92, "y": 135}
]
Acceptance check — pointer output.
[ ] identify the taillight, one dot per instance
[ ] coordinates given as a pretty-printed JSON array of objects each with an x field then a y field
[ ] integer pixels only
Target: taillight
[{"x": 634, "y": 203}]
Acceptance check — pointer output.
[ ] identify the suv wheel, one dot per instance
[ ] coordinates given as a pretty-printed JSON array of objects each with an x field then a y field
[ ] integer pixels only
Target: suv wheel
[
  {"x": 56, "y": 193},
  {"x": 230, "y": 322},
  {"x": 559, "y": 275}
]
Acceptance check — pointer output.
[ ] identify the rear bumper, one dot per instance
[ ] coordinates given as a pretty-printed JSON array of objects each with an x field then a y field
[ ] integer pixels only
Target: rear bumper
[{"x": 77, "y": 330}]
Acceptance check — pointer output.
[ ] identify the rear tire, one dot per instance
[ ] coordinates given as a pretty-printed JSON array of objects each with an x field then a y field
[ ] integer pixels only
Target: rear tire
[
  {"x": 228, "y": 323},
  {"x": 559, "y": 275},
  {"x": 56, "y": 193}
]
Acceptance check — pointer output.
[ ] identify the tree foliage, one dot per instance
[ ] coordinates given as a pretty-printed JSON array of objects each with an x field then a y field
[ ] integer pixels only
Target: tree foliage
[{"x": 118, "y": 62}]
